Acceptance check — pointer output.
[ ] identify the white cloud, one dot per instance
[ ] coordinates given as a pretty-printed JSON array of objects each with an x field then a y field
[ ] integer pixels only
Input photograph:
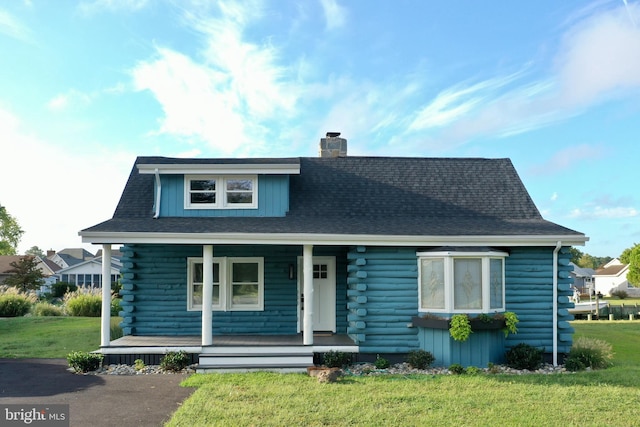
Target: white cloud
[
  {"x": 554, "y": 197},
  {"x": 95, "y": 6},
  {"x": 600, "y": 212},
  {"x": 226, "y": 99},
  {"x": 71, "y": 99},
  {"x": 598, "y": 60},
  {"x": 12, "y": 27},
  {"x": 335, "y": 15},
  {"x": 55, "y": 193},
  {"x": 568, "y": 157}
]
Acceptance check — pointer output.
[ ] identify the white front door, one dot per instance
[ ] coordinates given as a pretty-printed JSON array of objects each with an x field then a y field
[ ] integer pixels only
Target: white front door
[{"x": 324, "y": 294}]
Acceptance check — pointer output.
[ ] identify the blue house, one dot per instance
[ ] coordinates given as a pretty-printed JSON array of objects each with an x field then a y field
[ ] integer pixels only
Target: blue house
[{"x": 249, "y": 263}]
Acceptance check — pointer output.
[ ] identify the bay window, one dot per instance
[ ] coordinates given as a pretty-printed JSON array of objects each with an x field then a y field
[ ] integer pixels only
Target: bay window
[{"x": 461, "y": 281}]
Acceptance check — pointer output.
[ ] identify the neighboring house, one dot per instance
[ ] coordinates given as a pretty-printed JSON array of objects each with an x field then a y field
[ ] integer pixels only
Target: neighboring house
[
  {"x": 47, "y": 268},
  {"x": 69, "y": 256},
  {"x": 263, "y": 262},
  {"x": 613, "y": 277},
  {"x": 88, "y": 274},
  {"x": 582, "y": 279}
]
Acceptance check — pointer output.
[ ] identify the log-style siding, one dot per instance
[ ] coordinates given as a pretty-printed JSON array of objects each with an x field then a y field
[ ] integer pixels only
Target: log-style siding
[
  {"x": 154, "y": 291},
  {"x": 383, "y": 297}
]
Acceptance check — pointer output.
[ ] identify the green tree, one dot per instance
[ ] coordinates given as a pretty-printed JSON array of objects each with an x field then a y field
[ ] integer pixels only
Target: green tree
[
  {"x": 576, "y": 255},
  {"x": 35, "y": 251},
  {"x": 631, "y": 256},
  {"x": 26, "y": 274},
  {"x": 10, "y": 233}
]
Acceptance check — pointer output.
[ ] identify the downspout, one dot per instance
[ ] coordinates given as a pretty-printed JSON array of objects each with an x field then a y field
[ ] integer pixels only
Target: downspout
[
  {"x": 555, "y": 302},
  {"x": 158, "y": 193}
]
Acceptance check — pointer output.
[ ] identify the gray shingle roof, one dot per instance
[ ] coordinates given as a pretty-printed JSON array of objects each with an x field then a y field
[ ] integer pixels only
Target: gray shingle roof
[{"x": 364, "y": 195}]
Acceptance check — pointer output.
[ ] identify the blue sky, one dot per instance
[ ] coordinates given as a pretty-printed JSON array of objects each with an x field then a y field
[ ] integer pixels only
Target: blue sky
[{"x": 86, "y": 86}]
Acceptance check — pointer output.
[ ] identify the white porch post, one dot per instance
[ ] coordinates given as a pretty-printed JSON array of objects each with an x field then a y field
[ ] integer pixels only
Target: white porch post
[
  {"x": 105, "y": 327},
  {"x": 207, "y": 294},
  {"x": 307, "y": 271}
]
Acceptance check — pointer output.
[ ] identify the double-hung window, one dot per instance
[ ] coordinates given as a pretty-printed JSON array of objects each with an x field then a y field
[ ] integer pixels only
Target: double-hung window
[
  {"x": 238, "y": 284},
  {"x": 220, "y": 192},
  {"x": 458, "y": 281}
]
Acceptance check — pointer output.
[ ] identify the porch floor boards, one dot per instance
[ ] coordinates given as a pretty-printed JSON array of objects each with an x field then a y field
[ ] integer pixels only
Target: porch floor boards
[{"x": 230, "y": 341}]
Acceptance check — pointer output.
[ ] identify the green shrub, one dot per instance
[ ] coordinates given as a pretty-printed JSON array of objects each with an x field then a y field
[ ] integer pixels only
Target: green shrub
[
  {"x": 460, "y": 327},
  {"x": 81, "y": 361},
  {"x": 139, "y": 365},
  {"x": 115, "y": 331},
  {"x": 524, "y": 356},
  {"x": 58, "y": 289},
  {"x": 14, "y": 303},
  {"x": 381, "y": 363},
  {"x": 115, "y": 306},
  {"x": 84, "y": 303},
  {"x": 175, "y": 361},
  {"x": 620, "y": 294},
  {"x": 473, "y": 370},
  {"x": 589, "y": 353},
  {"x": 420, "y": 359},
  {"x": 336, "y": 359},
  {"x": 457, "y": 369},
  {"x": 47, "y": 309}
]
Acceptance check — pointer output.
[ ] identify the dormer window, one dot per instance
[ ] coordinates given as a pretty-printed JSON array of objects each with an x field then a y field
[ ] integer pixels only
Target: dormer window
[{"x": 221, "y": 192}]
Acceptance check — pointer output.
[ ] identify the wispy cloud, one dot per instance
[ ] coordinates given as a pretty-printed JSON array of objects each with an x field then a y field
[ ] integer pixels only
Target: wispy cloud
[
  {"x": 456, "y": 102},
  {"x": 600, "y": 212},
  {"x": 569, "y": 157},
  {"x": 12, "y": 27},
  {"x": 597, "y": 60},
  {"x": 95, "y": 6},
  {"x": 71, "y": 99},
  {"x": 226, "y": 98},
  {"x": 335, "y": 15}
]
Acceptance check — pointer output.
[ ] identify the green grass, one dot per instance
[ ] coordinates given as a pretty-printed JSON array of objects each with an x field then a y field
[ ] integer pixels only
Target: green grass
[
  {"x": 48, "y": 337},
  {"x": 607, "y": 397},
  {"x": 618, "y": 301}
]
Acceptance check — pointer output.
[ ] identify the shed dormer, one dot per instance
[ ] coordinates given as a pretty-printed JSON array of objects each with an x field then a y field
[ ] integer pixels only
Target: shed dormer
[{"x": 221, "y": 188}]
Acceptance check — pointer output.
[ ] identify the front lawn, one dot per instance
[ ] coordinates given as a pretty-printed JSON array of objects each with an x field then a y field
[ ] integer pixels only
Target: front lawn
[
  {"x": 609, "y": 397},
  {"x": 48, "y": 337}
]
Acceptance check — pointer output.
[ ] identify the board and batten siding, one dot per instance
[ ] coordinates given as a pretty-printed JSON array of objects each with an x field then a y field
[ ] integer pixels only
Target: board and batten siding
[
  {"x": 273, "y": 199},
  {"x": 154, "y": 291},
  {"x": 383, "y": 298}
]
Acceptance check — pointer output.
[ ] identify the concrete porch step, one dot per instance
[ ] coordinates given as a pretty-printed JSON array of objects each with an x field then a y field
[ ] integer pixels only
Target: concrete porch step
[{"x": 281, "y": 358}]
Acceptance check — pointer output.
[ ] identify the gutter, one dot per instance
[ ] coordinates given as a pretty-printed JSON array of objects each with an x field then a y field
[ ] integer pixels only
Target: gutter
[
  {"x": 555, "y": 302},
  {"x": 158, "y": 194}
]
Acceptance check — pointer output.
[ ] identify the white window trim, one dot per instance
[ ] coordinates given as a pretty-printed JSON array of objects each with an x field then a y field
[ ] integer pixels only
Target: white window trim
[
  {"x": 226, "y": 303},
  {"x": 221, "y": 192},
  {"x": 449, "y": 257}
]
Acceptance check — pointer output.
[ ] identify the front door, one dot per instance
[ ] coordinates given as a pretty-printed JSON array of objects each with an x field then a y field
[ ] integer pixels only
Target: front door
[{"x": 324, "y": 294}]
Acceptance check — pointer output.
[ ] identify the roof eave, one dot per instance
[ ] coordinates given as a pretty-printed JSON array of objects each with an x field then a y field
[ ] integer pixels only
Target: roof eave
[{"x": 329, "y": 239}]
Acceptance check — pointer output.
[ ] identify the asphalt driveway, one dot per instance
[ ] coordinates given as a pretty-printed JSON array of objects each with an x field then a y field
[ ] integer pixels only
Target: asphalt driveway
[{"x": 94, "y": 400}]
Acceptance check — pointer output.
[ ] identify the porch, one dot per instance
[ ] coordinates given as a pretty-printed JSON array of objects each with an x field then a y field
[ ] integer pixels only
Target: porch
[{"x": 232, "y": 352}]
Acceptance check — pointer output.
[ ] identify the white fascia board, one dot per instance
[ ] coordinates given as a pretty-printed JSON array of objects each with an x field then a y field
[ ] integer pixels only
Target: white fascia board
[
  {"x": 327, "y": 239},
  {"x": 227, "y": 169}
]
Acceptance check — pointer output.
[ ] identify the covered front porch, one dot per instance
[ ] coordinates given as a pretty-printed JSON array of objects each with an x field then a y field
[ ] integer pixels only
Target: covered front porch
[{"x": 233, "y": 352}]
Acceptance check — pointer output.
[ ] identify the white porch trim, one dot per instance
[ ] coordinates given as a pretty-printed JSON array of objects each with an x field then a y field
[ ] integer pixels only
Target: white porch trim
[
  {"x": 207, "y": 294},
  {"x": 307, "y": 269},
  {"x": 105, "y": 327}
]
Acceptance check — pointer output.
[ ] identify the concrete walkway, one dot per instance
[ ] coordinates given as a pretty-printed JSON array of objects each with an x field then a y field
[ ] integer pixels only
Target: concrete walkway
[{"x": 94, "y": 400}]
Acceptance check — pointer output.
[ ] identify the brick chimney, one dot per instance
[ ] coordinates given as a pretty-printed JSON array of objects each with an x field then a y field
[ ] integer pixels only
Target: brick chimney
[
  {"x": 333, "y": 145},
  {"x": 50, "y": 253}
]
